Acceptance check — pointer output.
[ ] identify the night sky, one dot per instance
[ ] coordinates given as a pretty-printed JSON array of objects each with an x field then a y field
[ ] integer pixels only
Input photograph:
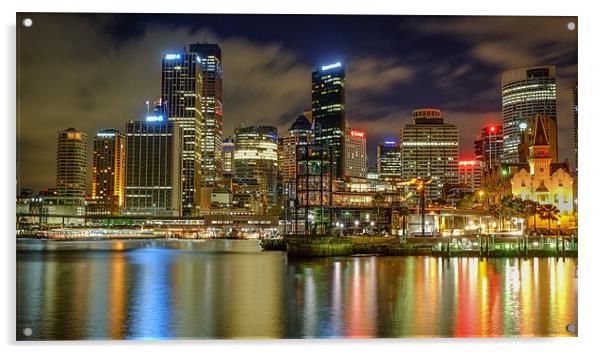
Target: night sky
[{"x": 96, "y": 71}]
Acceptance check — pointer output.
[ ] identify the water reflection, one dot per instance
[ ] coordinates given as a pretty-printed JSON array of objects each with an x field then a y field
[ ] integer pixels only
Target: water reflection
[{"x": 229, "y": 289}]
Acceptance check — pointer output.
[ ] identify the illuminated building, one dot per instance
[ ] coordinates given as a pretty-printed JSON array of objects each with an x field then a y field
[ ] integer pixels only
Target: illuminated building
[
  {"x": 542, "y": 180},
  {"x": 108, "y": 171},
  {"x": 489, "y": 146},
  {"x": 429, "y": 150},
  {"x": 212, "y": 108},
  {"x": 525, "y": 93},
  {"x": 575, "y": 124},
  {"x": 153, "y": 168},
  {"x": 228, "y": 157},
  {"x": 256, "y": 162},
  {"x": 469, "y": 173},
  {"x": 181, "y": 90},
  {"x": 300, "y": 133},
  {"x": 388, "y": 160},
  {"x": 328, "y": 111},
  {"x": 356, "y": 160},
  {"x": 71, "y": 161}
]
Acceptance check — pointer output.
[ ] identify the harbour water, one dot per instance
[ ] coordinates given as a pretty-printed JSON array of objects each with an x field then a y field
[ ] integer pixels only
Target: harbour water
[{"x": 160, "y": 289}]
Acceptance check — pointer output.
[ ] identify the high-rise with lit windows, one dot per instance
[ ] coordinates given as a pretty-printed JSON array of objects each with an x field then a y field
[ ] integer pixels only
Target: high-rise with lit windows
[
  {"x": 228, "y": 157},
  {"x": 430, "y": 150},
  {"x": 210, "y": 55},
  {"x": 256, "y": 163},
  {"x": 356, "y": 159},
  {"x": 181, "y": 93},
  {"x": 153, "y": 169},
  {"x": 525, "y": 93},
  {"x": 469, "y": 174},
  {"x": 575, "y": 125},
  {"x": 108, "y": 171},
  {"x": 489, "y": 146},
  {"x": 328, "y": 111},
  {"x": 388, "y": 160},
  {"x": 71, "y": 162}
]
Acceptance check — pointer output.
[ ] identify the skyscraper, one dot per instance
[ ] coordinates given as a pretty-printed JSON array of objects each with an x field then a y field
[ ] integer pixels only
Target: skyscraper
[
  {"x": 181, "y": 92},
  {"x": 526, "y": 92},
  {"x": 212, "y": 108},
  {"x": 328, "y": 111},
  {"x": 356, "y": 159},
  {"x": 489, "y": 146},
  {"x": 298, "y": 134},
  {"x": 228, "y": 157},
  {"x": 153, "y": 169},
  {"x": 256, "y": 162},
  {"x": 388, "y": 160},
  {"x": 469, "y": 174},
  {"x": 108, "y": 171},
  {"x": 430, "y": 150},
  {"x": 575, "y": 124},
  {"x": 71, "y": 161}
]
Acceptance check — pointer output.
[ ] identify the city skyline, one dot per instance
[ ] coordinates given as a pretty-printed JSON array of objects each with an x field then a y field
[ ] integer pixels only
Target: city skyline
[{"x": 382, "y": 86}]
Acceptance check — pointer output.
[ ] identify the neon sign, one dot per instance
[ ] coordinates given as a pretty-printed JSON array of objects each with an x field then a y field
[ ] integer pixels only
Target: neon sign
[
  {"x": 105, "y": 135},
  {"x": 389, "y": 142},
  {"x": 357, "y": 133},
  {"x": 331, "y": 66},
  {"x": 468, "y": 163},
  {"x": 154, "y": 118},
  {"x": 172, "y": 56}
]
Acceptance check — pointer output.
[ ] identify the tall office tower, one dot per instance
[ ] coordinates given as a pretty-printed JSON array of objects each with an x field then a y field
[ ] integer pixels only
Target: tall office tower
[
  {"x": 469, "y": 173},
  {"x": 575, "y": 123},
  {"x": 228, "y": 157},
  {"x": 256, "y": 162},
  {"x": 212, "y": 108},
  {"x": 430, "y": 150},
  {"x": 153, "y": 169},
  {"x": 71, "y": 161},
  {"x": 356, "y": 159},
  {"x": 489, "y": 146},
  {"x": 108, "y": 171},
  {"x": 526, "y": 92},
  {"x": 328, "y": 111},
  {"x": 298, "y": 134},
  {"x": 181, "y": 90},
  {"x": 388, "y": 160}
]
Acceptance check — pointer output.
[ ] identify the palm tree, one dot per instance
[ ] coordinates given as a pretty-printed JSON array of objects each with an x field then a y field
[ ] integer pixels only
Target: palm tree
[
  {"x": 377, "y": 202},
  {"x": 404, "y": 211},
  {"x": 548, "y": 212},
  {"x": 511, "y": 205},
  {"x": 496, "y": 210},
  {"x": 530, "y": 209}
]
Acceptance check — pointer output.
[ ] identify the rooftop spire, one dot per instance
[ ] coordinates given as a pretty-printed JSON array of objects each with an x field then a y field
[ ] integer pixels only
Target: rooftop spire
[{"x": 540, "y": 138}]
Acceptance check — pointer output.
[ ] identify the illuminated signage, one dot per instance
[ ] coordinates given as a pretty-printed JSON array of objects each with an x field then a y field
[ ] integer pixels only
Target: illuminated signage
[
  {"x": 331, "y": 66},
  {"x": 172, "y": 56},
  {"x": 357, "y": 133},
  {"x": 105, "y": 135},
  {"x": 154, "y": 118},
  {"x": 389, "y": 142},
  {"x": 468, "y": 163}
]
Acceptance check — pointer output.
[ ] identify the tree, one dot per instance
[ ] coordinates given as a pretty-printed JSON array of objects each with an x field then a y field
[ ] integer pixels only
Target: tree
[
  {"x": 378, "y": 200},
  {"x": 404, "y": 211},
  {"x": 467, "y": 202},
  {"x": 496, "y": 210},
  {"x": 548, "y": 212},
  {"x": 530, "y": 209},
  {"x": 511, "y": 205}
]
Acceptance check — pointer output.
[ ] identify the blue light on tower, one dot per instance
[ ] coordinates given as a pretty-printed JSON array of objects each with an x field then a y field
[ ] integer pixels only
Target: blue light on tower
[
  {"x": 154, "y": 118},
  {"x": 172, "y": 56},
  {"x": 331, "y": 66},
  {"x": 389, "y": 142}
]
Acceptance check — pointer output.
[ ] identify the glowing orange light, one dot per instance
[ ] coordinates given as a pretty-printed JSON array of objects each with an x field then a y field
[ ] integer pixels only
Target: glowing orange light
[{"x": 357, "y": 133}]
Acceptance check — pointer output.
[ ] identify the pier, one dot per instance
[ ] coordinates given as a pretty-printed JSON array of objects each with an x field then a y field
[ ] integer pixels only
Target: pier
[{"x": 448, "y": 246}]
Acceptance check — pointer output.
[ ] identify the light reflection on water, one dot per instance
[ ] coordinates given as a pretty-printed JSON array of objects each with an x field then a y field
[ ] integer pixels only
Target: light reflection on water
[{"x": 230, "y": 289}]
